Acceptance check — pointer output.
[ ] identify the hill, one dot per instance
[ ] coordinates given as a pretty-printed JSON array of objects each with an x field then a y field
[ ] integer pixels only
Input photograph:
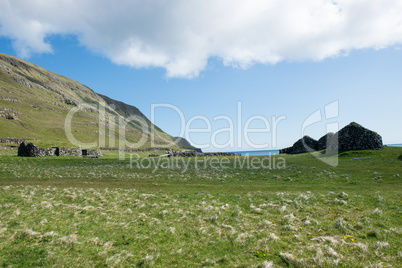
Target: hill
[{"x": 34, "y": 104}]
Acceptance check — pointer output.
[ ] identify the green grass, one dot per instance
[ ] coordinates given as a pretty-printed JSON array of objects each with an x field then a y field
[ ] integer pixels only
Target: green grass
[{"x": 67, "y": 211}]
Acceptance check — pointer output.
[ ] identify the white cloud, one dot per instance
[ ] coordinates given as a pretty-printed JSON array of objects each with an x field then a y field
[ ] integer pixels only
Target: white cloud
[{"x": 182, "y": 35}]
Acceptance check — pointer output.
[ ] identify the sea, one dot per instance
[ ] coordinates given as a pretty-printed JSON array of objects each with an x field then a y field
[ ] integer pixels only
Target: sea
[
  {"x": 273, "y": 152},
  {"x": 394, "y": 145},
  {"x": 258, "y": 152}
]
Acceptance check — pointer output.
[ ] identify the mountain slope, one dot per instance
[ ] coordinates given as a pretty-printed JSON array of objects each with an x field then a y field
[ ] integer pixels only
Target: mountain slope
[{"x": 34, "y": 104}]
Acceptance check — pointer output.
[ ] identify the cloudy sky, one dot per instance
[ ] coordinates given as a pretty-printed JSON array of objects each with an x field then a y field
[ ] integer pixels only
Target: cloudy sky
[{"x": 277, "y": 57}]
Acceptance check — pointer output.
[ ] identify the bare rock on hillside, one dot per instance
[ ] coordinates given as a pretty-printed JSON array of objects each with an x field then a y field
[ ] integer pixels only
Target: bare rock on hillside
[{"x": 8, "y": 113}]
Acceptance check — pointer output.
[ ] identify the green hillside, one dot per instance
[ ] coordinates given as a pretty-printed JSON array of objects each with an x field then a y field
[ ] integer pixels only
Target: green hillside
[{"x": 34, "y": 104}]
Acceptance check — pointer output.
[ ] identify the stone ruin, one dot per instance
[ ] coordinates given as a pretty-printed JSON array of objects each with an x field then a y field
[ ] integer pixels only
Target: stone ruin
[
  {"x": 324, "y": 140},
  {"x": 31, "y": 150},
  {"x": 355, "y": 137},
  {"x": 304, "y": 145},
  {"x": 351, "y": 137}
]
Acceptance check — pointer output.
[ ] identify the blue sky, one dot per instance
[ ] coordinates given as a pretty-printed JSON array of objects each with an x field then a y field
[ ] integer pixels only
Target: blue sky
[{"x": 292, "y": 80}]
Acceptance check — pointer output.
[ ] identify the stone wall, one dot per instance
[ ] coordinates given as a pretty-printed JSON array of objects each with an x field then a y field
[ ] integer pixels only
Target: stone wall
[
  {"x": 191, "y": 153},
  {"x": 13, "y": 140},
  {"x": 325, "y": 140},
  {"x": 30, "y": 150},
  {"x": 72, "y": 152},
  {"x": 91, "y": 153},
  {"x": 355, "y": 137},
  {"x": 136, "y": 150},
  {"x": 220, "y": 154}
]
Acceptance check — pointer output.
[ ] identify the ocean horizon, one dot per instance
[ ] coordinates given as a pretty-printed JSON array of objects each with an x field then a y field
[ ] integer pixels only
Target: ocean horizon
[
  {"x": 275, "y": 152},
  {"x": 394, "y": 145}
]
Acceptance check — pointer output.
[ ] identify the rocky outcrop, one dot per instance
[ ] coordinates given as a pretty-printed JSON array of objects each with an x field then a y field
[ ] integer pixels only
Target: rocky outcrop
[
  {"x": 355, "y": 137},
  {"x": 11, "y": 99},
  {"x": 67, "y": 100},
  {"x": 351, "y": 137},
  {"x": 325, "y": 140},
  {"x": 304, "y": 145},
  {"x": 8, "y": 113},
  {"x": 30, "y": 150},
  {"x": 22, "y": 81}
]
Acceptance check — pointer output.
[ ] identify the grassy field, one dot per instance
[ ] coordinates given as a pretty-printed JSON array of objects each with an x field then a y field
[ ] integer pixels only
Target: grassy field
[{"x": 293, "y": 211}]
